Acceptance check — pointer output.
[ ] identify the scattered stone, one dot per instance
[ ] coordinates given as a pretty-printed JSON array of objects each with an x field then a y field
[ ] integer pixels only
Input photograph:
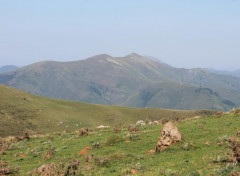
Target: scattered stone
[
  {"x": 140, "y": 123},
  {"x": 150, "y": 152},
  {"x": 133, "y": 129},
  {"x": 50, "y": 153},
  {"x": 117, "y": 129},
  {"x": 207, "y": 143},
  {"x": 170, "y": 135},
  {"x": 220, "y": 143},
  {"x": 155, "y": 122},
  {"x": 101, "y": 127},
  {"x": 219, "y": 113},
  {"x": 196, "y": 117},
  {"x": 238, "y": 134},
  {"x": 83, "y": 132}
]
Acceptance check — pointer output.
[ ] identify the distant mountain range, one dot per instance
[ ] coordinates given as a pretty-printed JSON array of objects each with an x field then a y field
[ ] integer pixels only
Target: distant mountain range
[
  {"x": 7, "y": 68},
  {"x": 224, "y": 72},
  {"x": 132, "y": 80}
]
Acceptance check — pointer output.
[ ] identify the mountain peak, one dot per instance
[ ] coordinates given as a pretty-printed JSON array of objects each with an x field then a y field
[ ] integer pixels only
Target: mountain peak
[
  {"x": 101, "y": 56},
  {"x": 133, "y": 55}
]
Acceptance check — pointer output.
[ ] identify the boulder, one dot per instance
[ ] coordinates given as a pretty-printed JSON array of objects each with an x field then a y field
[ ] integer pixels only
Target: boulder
[{"x": 170, "y": 135}]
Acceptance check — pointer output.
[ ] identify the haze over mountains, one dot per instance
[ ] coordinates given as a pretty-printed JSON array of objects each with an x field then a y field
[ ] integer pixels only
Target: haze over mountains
[{"x": 132, "y": 80}]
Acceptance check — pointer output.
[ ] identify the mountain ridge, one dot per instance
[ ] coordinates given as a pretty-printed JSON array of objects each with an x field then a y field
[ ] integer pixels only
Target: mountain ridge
[{"x": 124, "y": 81}]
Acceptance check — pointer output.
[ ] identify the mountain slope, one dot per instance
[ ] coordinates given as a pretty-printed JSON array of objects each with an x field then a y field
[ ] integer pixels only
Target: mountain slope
[
  {"x": 104, "y": 79},
  {"x": 235, "y": 73},
  {"x": 7, "y": 68},
  {"x": 20, "y": 111}
]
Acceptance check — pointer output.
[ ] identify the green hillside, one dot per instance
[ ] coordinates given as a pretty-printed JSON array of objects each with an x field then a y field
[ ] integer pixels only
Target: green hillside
[
  {"x": 104, "y": 79},
  {"x": 209, "y": 147},
  {"x": 20, "y": 111}
]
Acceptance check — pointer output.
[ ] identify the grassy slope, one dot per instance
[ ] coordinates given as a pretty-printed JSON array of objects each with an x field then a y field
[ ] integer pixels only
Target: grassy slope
[
  {"x": 20, "y": 111},
  {"x": 126, "y": 156}
]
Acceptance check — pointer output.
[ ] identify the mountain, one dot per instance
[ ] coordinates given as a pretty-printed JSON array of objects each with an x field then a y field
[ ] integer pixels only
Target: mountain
[
  {"x": 20, "y": 111},
  {"x": 235, "y": 73},
  {"x": 7, "y": 68},
  {"x": 132, "y": 80}
]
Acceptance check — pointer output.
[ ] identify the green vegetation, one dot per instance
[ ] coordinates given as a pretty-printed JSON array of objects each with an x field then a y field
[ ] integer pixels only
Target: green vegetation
[
  {"x": 21, "y": 111},
  {"x": 133, "y": 80},
  {"x": 104, "y": 152}
]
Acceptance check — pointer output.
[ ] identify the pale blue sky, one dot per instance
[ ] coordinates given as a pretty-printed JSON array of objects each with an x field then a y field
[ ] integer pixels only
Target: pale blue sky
[{"x": 182, "y": 33}]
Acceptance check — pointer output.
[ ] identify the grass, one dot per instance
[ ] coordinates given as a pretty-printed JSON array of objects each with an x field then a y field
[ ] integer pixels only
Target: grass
[
  {"x": 125, "y": 156},
  {"x": 20, "y": 111}
]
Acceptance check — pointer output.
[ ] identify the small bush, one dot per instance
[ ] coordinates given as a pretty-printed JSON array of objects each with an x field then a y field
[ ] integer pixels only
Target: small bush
[
  {"x": 96, "y": 145},
  {"x": 168, "y": 172},
  {"x": 50, "y": 153},
  {"x": 134, "y": 137},
  {"x": 114, "y": 140},
  {"x": 117, "y": 129},
  {"x": 5, "y": 169},
  {"x": 221, "y": 159},
  {"x": 103, "y": 162},
  {"x": 194, "y": 173},
  {"x": 227, "y": 170}
]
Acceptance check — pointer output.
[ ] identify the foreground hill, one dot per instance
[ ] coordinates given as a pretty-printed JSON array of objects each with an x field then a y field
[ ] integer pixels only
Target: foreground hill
[
  {"x": 20, "y": 111},
  {"x": 210, "y": 147},
  {"x": 132, "y": 80}
]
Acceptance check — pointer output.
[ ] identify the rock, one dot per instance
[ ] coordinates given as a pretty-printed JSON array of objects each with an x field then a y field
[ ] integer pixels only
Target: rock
[
  {"x": 170, "y": 130},
  {"x": 238, "y": 134},
  {"x": 140, "y": 123},
  {"x": 197, "y": 117},
  {"x": 101, "y": 127},
  {"x": 170, "y": 135},
  {"x": 219, "y": 113},
  {"x": 150, "y": 123},
  {"x": 83, "y": 132},
  {"x": 155, "y": 122},
  {"x": 150, "y": 152},
  {"x": 207, "y": 143}
]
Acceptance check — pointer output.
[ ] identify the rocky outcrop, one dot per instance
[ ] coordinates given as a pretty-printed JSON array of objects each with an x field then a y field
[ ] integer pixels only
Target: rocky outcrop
[{"x": 170, "y": 135}]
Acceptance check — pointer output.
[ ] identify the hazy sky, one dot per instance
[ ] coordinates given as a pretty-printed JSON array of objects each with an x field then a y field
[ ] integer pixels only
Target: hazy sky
[{"x": 183, "y": 33}]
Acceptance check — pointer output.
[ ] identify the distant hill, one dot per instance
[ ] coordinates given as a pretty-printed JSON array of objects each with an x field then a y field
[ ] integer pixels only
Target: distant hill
[
  {"x": 7, "y": 68},
  {"x": 132, "y": 80},
  {"x": 224, "y": 72},
  {"x": 20, "y": 111}
]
